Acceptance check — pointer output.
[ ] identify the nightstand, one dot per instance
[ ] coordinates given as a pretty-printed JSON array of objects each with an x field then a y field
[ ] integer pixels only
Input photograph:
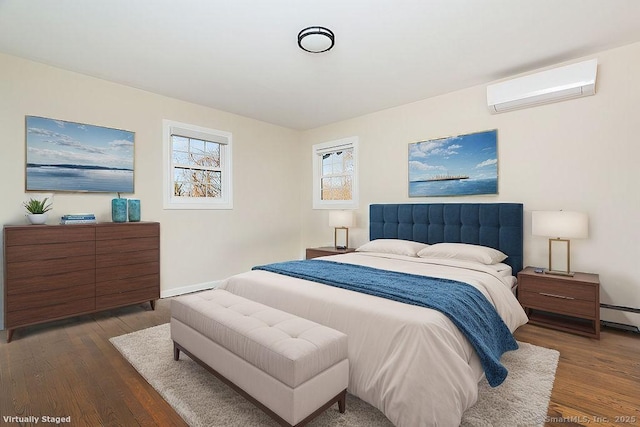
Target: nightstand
[
  {"x": 570, "y": 304},
  {"x": 326, "y": 251}
]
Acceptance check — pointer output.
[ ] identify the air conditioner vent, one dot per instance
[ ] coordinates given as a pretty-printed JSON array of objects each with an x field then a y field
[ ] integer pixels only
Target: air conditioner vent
[{"x": 558, "y": 84}]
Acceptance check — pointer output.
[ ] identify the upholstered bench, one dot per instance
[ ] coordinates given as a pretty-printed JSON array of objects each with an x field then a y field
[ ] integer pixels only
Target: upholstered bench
[{"x": 292, "y": 368}]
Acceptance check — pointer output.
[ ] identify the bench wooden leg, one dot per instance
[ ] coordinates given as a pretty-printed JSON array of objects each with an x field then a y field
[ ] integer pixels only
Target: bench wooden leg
[
  {"x": 342, "y": 401},
  {"x": 176, "y": 351}
]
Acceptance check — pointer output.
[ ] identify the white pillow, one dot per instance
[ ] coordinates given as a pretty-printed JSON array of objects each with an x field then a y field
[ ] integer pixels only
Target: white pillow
[
  {"x": 481, "y": 254},
  {"x": 393, "y": 246}
]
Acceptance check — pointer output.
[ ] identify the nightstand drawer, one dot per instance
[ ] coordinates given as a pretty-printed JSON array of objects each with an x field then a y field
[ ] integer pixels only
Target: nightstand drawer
[
  {"x": 569, "y": 290},
  {"x": 558, "y": 302}
]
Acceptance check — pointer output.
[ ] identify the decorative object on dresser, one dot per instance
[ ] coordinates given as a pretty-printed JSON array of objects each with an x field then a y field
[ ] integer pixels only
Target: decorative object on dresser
[
  {"x": 326, "y": 251},
  {"x": 37, "y": 210},
  {"x": 566, "y": 303},
  {"x": 58, "y": 271},
  {"x": 119, "y": 209},
  {"x": 341, "y": 220},
  {"x": 78, "y": 218},
  {"x": 560, "y": 226},
  {"x": 133, "y": 209}
]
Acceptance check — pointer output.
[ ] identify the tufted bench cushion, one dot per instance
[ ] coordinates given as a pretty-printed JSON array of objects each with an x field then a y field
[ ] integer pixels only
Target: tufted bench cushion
[
  {"x": 245, "y": 340},
  {"x": 289, "y": 348}
]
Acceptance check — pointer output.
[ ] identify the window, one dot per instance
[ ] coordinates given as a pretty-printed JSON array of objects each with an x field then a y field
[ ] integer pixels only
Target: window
[
  {"x": 335, "y": 178},
  {"x": 197, "y": 167}
]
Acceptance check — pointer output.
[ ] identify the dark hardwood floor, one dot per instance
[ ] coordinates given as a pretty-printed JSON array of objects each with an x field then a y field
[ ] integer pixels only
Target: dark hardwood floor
[
  {"x": 69, "y": 368},
  {"x": 597, "y": 381}
]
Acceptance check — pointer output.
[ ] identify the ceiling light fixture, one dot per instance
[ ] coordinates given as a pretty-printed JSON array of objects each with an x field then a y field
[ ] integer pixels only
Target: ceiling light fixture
[{"x": 316, "y": 39}]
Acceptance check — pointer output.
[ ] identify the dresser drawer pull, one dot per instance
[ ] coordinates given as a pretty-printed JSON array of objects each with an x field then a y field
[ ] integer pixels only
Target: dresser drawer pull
[{"x": 555, "y": 296}]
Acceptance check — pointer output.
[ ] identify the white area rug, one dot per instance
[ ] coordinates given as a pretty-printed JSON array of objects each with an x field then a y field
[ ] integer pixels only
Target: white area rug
[{"x": 202, "y": 400}]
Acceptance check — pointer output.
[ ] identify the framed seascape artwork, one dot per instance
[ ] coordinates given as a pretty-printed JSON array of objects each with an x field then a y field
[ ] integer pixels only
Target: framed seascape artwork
[
  {"x": 455, "y": 166},
  {"x": 68, "y": 156}
]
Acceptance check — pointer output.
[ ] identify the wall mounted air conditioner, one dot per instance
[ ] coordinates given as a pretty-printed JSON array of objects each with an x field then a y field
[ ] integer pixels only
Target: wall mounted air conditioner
[{"x": 558, "y": 84}]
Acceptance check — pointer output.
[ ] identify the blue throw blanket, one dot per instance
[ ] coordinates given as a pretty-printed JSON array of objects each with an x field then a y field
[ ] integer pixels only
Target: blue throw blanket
[{"x": 463, "y": 304}]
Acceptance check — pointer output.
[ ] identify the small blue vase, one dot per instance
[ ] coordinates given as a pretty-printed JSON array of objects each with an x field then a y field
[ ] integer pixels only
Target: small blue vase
[
  {"x": 119, "y": 210},
  {"x": 134, "y": 210}
]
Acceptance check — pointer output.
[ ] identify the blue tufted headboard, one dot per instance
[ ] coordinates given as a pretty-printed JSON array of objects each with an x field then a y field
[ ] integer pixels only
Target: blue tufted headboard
[{"x": 497, "y": 225}]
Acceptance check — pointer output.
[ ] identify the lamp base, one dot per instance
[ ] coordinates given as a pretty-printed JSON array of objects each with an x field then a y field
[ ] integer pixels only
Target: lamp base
[
  {"x": 560, "y": 273},
  {"x": 346, "y": 238},
  {"x": 341, "y": 248}
]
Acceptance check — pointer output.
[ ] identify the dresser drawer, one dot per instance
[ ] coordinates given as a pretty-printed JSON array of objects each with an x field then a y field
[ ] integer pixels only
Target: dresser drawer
[
  {"x": 128, "y": 230},
  {"x": 43, "y": 235},
  {"x": 127, "y": 271},
  {"x": 50, "y": 297},
  {"x": 117, "y": 259},
  {"x": 43, "y": 283},
  {"x": 126, "y": 245},
  {"x": 578, "y": 291},
  {"x": 65, "y": 250},
  {"x": 556, "y": 303},
  {"x": 49, "y": 312},
  {"x": 48, "y": 267},
  {"x": 120, "y": 286},
  {"x": 126, "y": 298}
]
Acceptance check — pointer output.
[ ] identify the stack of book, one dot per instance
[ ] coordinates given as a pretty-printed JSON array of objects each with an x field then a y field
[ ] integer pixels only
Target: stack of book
[{"x": 83, "y": 218}]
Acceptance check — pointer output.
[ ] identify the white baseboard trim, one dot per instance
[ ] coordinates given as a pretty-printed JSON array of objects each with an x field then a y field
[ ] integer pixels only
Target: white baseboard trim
[{"x": 188, "y": 289}]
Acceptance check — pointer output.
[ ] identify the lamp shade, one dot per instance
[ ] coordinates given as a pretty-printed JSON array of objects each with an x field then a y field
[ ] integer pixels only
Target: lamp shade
[
  {"x": 560, "y": 224},
  {"x": 339, "y": 219}
]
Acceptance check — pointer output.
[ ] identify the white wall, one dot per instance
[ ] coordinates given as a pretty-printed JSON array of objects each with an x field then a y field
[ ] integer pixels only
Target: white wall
[
  {"x": 196, "y": 246},
  {"x": 581, "y": 155}
]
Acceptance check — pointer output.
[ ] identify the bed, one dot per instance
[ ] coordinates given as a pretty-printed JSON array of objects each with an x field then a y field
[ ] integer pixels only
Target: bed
[{"x": 410, "y": 362}]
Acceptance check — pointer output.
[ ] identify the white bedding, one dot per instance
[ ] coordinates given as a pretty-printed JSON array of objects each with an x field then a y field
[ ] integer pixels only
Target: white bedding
[{"x": 410, "y": 362}]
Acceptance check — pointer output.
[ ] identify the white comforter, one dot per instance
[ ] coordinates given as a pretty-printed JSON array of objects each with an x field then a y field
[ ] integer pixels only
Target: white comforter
[{"x": 410, "y": 362}]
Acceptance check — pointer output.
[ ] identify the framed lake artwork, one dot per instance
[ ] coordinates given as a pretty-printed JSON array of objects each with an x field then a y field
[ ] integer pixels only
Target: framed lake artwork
[
  {"x": 460, "y": 165},
  {"x": 76, "y": 157}
]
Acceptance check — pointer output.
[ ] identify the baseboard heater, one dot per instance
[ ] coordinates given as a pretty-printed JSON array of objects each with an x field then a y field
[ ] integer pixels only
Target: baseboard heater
[{"x": 622, "y": 326}]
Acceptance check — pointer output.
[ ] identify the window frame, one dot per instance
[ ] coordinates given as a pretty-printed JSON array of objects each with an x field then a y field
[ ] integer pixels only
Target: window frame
[
  {"x": 170, "y": 201},
  {"x": 317, "y": 150}
]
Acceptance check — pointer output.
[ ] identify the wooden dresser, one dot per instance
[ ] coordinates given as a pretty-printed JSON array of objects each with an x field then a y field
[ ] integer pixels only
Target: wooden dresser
[{"x": 57, "y": 271}]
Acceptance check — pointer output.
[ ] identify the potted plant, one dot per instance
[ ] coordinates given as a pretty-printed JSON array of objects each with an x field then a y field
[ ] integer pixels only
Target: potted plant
[{"x": 37, "y": 210}]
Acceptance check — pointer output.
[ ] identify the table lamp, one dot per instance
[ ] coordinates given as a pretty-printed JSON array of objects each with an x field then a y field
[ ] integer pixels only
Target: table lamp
[
  {"x": 341, "y": 220},
  {"x": 560, "y": 226}
]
